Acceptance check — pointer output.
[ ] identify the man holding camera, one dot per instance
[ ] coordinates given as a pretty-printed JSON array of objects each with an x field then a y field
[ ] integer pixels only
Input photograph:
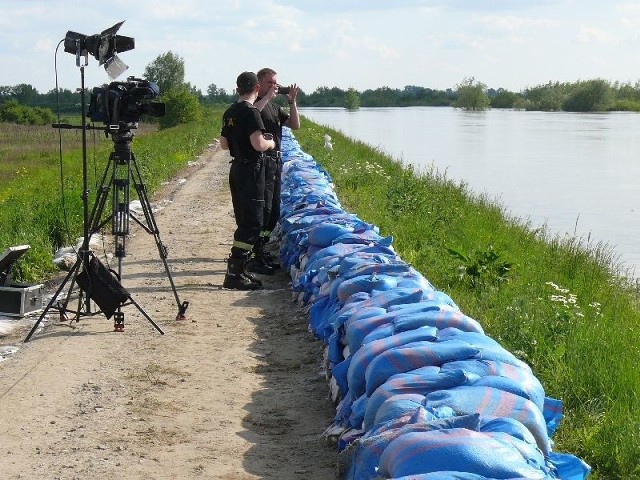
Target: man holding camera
[
  {"x": 273, "y": 117},
  {"x": 244, "y": 135}
]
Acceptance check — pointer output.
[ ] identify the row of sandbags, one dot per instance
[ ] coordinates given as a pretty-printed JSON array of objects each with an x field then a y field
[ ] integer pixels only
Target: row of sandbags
[{"x": 421, "y": 391}]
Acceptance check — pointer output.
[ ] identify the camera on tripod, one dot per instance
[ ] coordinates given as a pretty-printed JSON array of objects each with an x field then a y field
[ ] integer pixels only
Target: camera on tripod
[{"x": 121, "y": 104}]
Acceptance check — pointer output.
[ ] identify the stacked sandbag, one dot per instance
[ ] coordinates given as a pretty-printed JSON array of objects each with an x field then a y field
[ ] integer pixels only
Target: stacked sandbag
[{"x": 421, "y": 391}]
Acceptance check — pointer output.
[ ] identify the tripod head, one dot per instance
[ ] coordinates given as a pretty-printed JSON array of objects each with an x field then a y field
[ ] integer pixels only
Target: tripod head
[{"x": 121, "y": 139}]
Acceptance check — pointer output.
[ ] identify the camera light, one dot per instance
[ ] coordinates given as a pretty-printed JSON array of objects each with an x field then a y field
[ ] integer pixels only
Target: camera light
[{"x": 103, "y": 47}]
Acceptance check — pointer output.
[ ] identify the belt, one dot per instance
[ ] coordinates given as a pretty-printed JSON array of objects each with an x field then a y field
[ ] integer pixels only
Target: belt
[{"x": 246, "y": 160}]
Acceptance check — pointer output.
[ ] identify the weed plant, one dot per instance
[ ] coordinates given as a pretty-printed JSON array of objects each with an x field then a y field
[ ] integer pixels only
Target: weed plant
[
  {"x": 564, "y": 305},
  {"x": 41, "y": 195}
]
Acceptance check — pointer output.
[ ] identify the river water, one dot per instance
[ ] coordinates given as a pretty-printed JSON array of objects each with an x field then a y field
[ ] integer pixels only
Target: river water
[{"x": 576, "y": 173}]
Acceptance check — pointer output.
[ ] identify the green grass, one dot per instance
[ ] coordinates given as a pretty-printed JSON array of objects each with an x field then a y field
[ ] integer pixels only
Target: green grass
[
  {"x": 41, "y": 195},
  {"x": 562, "y": 304}
]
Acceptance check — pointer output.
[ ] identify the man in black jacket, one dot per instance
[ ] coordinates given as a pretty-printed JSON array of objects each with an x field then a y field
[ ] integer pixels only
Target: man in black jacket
[
  {"x": 244, "y": 135},
  {"x": 273, "y": 117}
]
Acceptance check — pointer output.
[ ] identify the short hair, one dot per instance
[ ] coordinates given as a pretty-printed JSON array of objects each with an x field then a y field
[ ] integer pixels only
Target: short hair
[
  {"x": 246, "y": 82},
  {"x": 263, "y": 72}
]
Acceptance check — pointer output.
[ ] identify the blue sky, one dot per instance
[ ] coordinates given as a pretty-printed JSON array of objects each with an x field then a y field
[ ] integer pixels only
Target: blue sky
[{"x": 513, "y": 44}]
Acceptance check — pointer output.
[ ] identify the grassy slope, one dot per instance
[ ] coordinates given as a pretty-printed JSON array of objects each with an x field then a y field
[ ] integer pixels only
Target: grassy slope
[{"x": 552, "y": 301}]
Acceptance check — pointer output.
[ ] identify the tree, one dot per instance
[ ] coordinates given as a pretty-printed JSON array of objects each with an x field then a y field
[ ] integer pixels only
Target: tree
[
  {"x": 548, "y": 97},
  {"x": 167, "y": 70},
  {"x": 219, "y": 96},
  {"x": 381, "y": 97},
  {"x": 25, "y": 94},
  {"x": 589, "y": 96},
  {"x": 471, "y": 95},
  {"x": 502, "y": 98},
  {"x": 181, "y": 105},
  {"x": 352, "y": 100}
]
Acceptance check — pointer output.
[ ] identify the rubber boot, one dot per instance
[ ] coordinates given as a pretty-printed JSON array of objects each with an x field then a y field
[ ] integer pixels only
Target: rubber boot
[
  {"x": 235, "y": 277},
  {"x": 258, "y": 263}
]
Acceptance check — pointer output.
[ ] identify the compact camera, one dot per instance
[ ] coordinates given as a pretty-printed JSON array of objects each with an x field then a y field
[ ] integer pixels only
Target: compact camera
[{"x": 283, "y": 90}]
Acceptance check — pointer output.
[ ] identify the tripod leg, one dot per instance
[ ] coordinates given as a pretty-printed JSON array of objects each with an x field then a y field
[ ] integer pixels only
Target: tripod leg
[
  {"x": 71, "y": 273},
  {"x": 94, "y": 224},
  {"x": 152, "y": 227},
  {"x": 118, "y": 321},
  {"x": 145, "y": 315}
]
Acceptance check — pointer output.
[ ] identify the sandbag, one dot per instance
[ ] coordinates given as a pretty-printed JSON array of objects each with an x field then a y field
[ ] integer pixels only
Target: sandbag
[
  {"x": 523, "y": 376},
  {"x": 361, "y": 460},
  {"x": 414, "y": 355},
  {"x": 365, "y": 354},
  {"x": 492, "y": 402},
  {"x": 455, "y": 449},
  {"x": 423, "y": 382}
]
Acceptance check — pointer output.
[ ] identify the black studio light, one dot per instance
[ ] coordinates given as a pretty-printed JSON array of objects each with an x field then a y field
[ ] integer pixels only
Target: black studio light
[{"x": 102, "y": 46}]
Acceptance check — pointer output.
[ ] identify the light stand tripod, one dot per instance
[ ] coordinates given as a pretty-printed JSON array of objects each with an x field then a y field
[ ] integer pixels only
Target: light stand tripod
[{"x": 96, "y": 281}]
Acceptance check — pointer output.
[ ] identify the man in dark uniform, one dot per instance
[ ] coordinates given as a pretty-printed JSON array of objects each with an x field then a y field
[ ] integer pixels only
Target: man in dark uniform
[
  {"x": 244, "y": 135},
  {"x": 273, "y": 117}
]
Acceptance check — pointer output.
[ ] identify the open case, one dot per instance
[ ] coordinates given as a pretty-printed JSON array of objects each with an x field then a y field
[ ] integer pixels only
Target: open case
[{"x": 17, "y": 299}]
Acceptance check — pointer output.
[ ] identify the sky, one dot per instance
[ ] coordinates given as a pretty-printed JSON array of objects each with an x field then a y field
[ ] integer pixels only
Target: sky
[{"x": 361, "y": 44}]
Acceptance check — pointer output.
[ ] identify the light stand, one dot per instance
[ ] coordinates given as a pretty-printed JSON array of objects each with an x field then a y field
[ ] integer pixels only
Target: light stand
[{"x": 94, "y": 279}]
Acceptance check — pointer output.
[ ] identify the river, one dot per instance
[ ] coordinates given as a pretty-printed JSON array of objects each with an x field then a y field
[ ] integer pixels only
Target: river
[{"x": 575, "y": 172}]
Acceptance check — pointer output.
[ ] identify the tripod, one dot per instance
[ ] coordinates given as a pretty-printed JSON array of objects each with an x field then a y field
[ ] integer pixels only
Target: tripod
[
  {"x": 123, "y": 170},
  {"x": 96, "y": 281}
]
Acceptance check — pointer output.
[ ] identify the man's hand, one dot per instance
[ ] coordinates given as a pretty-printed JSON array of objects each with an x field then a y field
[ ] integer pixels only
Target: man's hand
[
  {"x": 272, "y": 93},
  {"x": 293, "y": 93}
]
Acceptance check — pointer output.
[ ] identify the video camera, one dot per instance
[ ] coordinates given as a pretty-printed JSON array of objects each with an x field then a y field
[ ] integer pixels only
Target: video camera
[{"x": 123, "y": 103}]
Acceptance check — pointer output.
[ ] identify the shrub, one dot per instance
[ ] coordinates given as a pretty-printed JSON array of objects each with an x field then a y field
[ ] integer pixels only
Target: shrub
[
  {"x": 589, "y": 96},
  {"x": 182, "y": 106},
  {"x": 11, "y": 111}
]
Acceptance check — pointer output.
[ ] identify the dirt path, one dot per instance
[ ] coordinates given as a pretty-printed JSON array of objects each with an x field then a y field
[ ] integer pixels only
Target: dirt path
[{"x": 234, "y": 392}]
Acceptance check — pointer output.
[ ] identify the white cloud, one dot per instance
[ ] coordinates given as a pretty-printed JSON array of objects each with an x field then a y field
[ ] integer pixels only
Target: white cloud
[
  {"x": 593, "y": 34},
  {"x": 511, "y": 23},
  {"x": 630, "y": 14}
]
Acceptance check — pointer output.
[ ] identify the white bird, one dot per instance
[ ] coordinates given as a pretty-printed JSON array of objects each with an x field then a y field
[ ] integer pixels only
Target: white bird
[{"x": 327, "y": 142}]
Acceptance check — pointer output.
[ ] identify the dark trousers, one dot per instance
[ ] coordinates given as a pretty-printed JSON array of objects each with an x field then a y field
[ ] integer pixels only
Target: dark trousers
[
  {"x": 247, "y": 185},
  {"x": 271, "y": 215}
]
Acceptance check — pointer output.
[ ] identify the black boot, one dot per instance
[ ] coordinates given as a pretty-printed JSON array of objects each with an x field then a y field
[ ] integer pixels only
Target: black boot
[
  {"x": 250, "y": 276},
  {"x": 236, "y": 277},
  {"x": 271, "y": 260},
  {"x": 258, "y": 262}
]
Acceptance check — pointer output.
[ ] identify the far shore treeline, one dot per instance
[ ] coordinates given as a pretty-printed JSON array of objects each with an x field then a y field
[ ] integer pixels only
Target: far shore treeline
[{"x": 596, "y": 95}]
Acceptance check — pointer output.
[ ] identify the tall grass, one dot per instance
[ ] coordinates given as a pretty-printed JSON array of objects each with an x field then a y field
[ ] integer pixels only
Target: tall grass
[
  {"x": 562, "y": 304},
  {"x": 41, "y": 196}
]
